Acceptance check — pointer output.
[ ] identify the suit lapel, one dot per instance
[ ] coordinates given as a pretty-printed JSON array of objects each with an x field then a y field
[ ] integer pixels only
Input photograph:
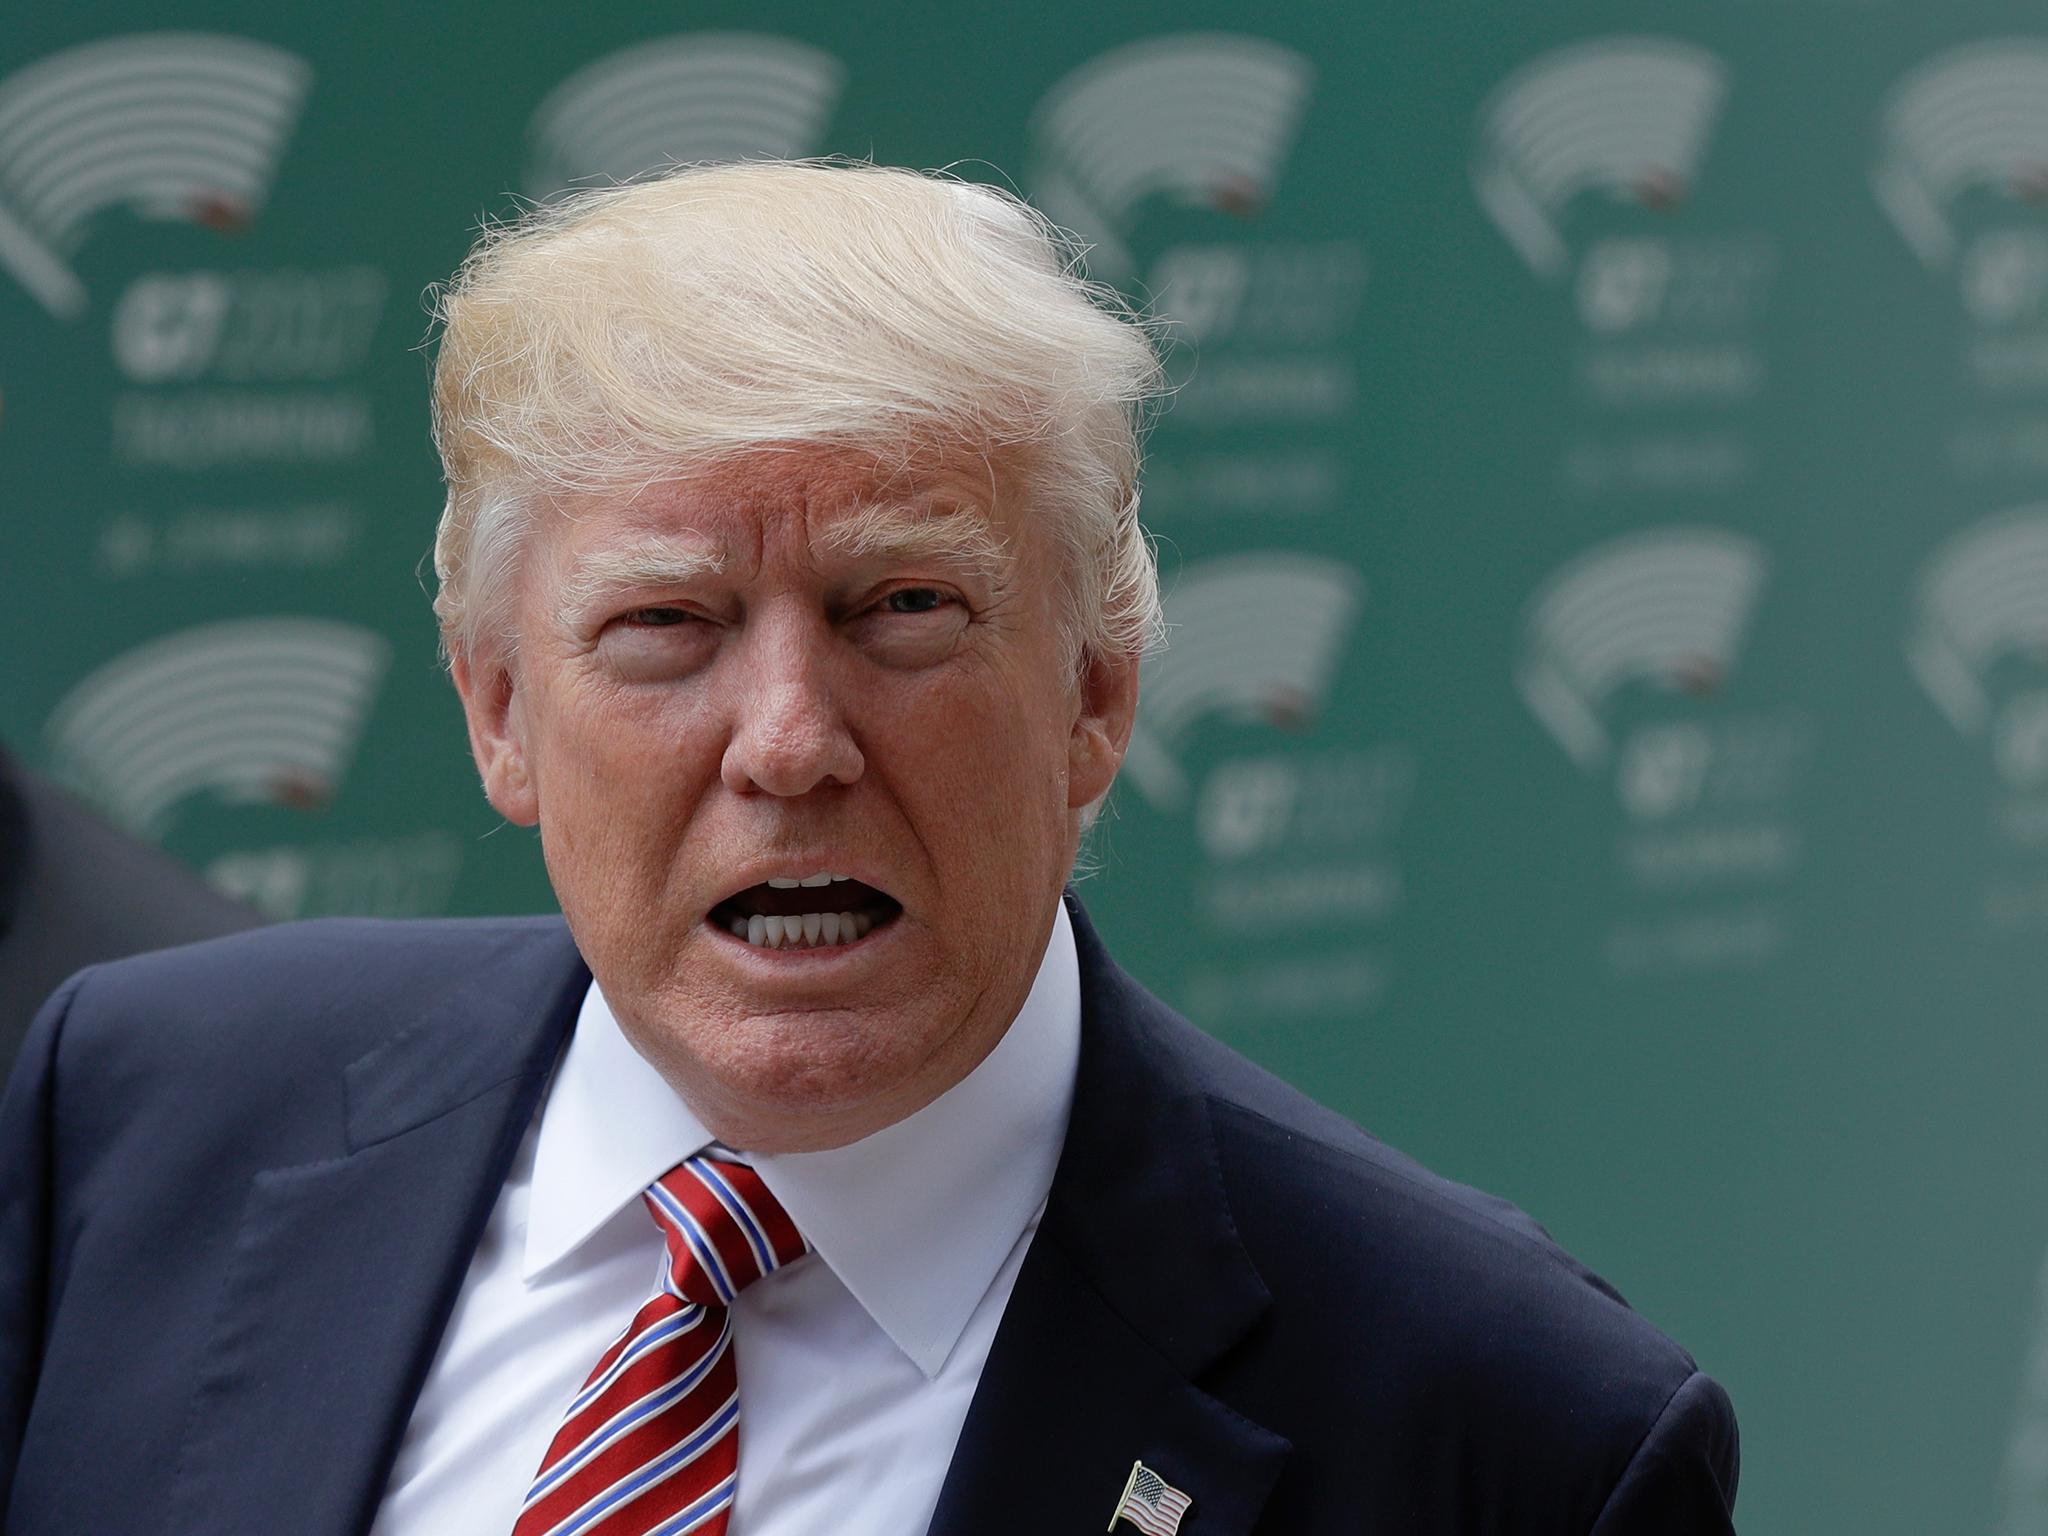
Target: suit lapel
[
  {"x": 345, "y": 1270},
  {"x": 1134, "y": 1286}
]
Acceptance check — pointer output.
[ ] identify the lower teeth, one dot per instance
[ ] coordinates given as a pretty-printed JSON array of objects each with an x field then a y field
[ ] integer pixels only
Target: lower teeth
[{"x": 810, "y": 930}]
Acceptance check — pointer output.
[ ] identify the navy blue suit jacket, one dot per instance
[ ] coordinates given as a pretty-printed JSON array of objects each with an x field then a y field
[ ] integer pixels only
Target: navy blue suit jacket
[{"x": 241, "y": 1182}]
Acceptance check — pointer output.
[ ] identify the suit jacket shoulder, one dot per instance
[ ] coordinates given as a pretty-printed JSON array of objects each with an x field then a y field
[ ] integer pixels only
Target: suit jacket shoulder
[
  {"x": 1430, "y": 1357},
  {"x": 279, "y": 1147},
  {"x": 1316, "y": 1198},
  {"x": 236, "y": 1050},
  {"x": 1446, "y": 1331}
]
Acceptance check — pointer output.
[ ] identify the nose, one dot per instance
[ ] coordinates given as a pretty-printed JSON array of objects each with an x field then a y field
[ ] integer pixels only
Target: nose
[{"x": 789, "y": 734}]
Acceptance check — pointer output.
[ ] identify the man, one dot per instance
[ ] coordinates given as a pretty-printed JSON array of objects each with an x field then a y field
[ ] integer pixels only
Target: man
[{"x": 792, "y": 582}]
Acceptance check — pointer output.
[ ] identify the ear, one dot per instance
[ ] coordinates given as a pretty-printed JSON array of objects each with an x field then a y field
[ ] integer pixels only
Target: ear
[
  {"x": 497, "y": 737},
  {"x": 1095, "y": 746}
]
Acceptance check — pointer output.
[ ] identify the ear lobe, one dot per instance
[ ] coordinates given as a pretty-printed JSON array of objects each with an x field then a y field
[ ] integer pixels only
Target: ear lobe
[
  {"x": 1102, "y": 732},
  {"x": 496, "y": 739}
]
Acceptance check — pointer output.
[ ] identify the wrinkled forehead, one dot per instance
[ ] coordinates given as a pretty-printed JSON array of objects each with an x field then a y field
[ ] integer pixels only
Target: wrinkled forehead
[{"x": 792, "y": 510}]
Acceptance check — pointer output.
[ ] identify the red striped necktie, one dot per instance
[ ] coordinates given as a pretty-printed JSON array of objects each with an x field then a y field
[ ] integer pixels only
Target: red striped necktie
[{"x": 650, "y": 1446}]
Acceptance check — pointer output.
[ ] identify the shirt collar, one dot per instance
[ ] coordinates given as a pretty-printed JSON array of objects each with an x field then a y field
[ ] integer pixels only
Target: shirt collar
[{"x": 915, "y": 1220}]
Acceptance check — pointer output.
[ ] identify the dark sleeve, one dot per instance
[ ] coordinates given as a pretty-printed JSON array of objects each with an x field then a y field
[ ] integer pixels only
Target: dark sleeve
[
  {"x": 26, "y": 1179},
  {"x": 1681, "y": 1481}
]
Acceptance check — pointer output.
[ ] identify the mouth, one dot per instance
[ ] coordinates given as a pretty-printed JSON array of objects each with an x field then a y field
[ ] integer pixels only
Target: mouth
[{"x": 818, "y": 911}]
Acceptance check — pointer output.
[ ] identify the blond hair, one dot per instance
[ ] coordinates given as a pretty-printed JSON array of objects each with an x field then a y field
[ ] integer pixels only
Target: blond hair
[{"x": 634, "y": 334}]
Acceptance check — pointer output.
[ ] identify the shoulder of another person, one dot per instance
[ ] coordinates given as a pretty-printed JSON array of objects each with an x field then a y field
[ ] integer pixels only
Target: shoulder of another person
[{"x": 79, "y": 872}]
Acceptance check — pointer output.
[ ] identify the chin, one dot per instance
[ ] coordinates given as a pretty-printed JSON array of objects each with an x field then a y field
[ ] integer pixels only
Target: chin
[{"x": 794, "y": 1080}]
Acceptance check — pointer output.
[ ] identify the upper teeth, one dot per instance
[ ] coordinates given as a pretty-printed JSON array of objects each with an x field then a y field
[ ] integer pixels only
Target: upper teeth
[{"x": 791, "y": 882}]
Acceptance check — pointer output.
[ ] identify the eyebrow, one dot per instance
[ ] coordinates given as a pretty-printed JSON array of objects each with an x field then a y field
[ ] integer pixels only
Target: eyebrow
[
  {"x": 890, "y": 533},
  {"x": 650, "y": 562}
]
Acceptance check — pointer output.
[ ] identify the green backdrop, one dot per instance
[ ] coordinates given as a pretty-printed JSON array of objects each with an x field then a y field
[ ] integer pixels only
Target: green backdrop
[{"x": 1605, "y": 746}]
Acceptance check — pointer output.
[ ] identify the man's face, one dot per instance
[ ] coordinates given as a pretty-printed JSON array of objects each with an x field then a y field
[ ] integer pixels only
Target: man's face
[{"x": 790, "y": 668}]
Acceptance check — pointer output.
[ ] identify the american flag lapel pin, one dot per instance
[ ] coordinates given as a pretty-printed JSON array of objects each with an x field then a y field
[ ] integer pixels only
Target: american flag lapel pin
[{"x": 1150, "y": 1503}]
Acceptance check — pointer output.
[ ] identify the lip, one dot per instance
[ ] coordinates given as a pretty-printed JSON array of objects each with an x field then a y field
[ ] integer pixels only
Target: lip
[{"x": 761, "y": 870}]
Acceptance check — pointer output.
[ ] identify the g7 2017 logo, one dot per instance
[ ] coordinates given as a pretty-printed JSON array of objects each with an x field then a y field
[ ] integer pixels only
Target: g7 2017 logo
[
  {"x": 171, "y": 125},
  {"x": 698, "y": 96},
  {"x": 1628, "y": 650}
]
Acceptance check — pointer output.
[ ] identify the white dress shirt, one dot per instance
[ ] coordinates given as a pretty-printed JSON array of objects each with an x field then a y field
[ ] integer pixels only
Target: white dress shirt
[{"x": 856, "y": 1364}]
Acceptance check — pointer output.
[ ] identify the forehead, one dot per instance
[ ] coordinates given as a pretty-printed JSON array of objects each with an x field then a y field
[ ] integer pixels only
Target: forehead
[{"x": 805, "y": 503}]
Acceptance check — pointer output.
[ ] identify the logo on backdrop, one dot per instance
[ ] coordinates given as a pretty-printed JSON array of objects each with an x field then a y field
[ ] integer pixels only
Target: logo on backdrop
[
  {"x": 1979, "y": 646},
  {"x": 1668, "y": 607},
  {"x": 1589, "y": 159},
  {"x": 170, "y": 125},
  {"x": 1253, "y": 638},
  {"x": 189, "y": 343},
  {"x": 1290, "y": 837},
  {"x": 1628, "y": 118},
  {"x": 1974, "y": 119},
  {"x": 1166, "y": 156},
  {"x": 1204, "y": 119},
  {"x": 1962, "y": 172},
  {"x": 695, "y": 97},
  {"x": 253, "y": 711},
  {"x": 1628, "y": 652},
  {"x": 1981, "y": 625}
]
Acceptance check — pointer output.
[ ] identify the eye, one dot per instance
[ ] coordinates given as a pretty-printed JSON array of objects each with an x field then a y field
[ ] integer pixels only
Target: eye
[
  {"x": 915, "y": 600},
  {"x": 660, "y": 643},
  {"x": 656, "y": 618},
  {"x": 912, "y": 626}
]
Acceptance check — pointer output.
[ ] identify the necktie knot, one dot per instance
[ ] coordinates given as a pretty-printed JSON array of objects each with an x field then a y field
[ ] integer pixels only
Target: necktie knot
[
  {"x": 650, "y": 1446},
  {"x": 723, "y": 1229}
]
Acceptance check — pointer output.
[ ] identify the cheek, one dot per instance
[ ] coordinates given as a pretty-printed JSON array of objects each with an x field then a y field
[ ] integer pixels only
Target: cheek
[
  {"x": 987, "y": 766},
  {"x": 978, "y": 722},
  {"x": 614, "y": 763}
]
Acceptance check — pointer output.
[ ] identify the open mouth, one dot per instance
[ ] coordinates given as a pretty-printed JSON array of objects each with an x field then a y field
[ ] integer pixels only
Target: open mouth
[{"x": 821, "y": 911}]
